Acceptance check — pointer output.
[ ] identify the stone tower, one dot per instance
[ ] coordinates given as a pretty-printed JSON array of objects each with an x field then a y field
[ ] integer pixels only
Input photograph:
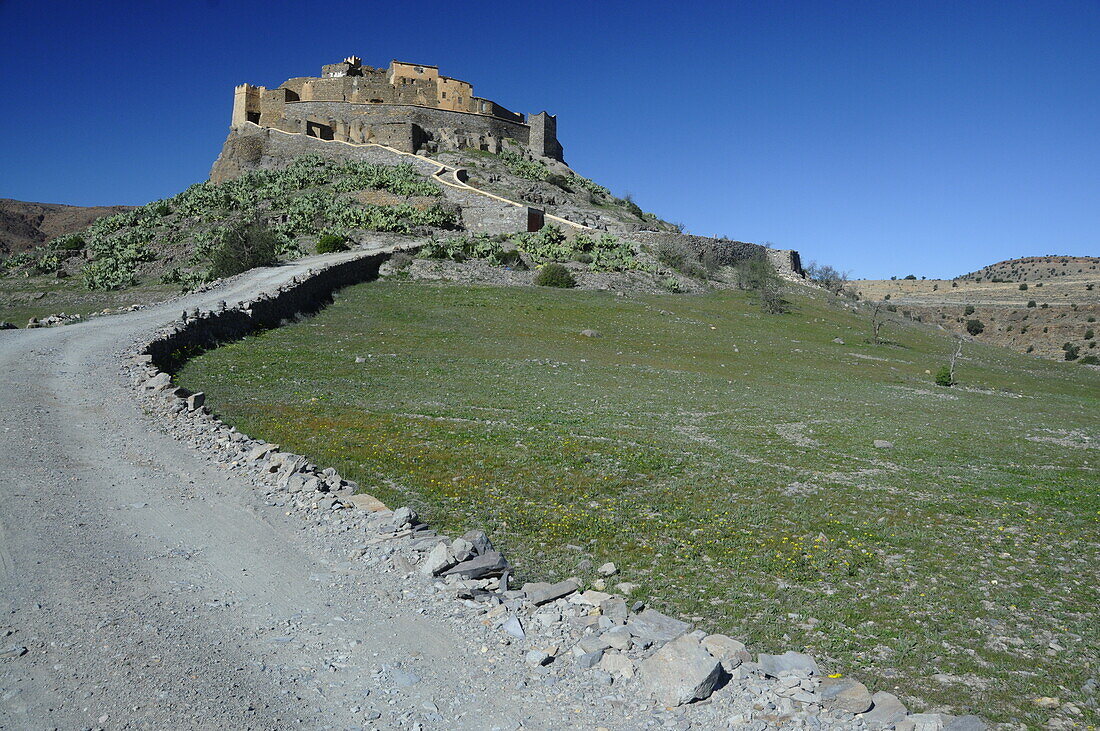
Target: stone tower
[{"x": 544, "y": 136}]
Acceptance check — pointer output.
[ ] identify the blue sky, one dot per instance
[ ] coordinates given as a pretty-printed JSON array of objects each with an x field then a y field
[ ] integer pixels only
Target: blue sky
[{"x": 884, "y": 138}]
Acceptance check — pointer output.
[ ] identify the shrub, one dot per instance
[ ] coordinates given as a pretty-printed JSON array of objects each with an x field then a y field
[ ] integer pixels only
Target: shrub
[
  {"x": 555, "y": 275},
  {"x": 828, "y": 277},
  {"x": 1030, "y": 348},
  {"x": 244, "y": 247},
  {"x": 400, "y": 261},
  {"x": 1089, "y": 334},
  {"x": 682, "y": 258},
  {"x": 759, "y": 276},
  {"x": 522, "y": 167},
  {"x": 969, "y": 310},
  {"x": 1071, "y": 351},
  {"x": 71, "y": 242},
  {"x": 943, "y": 377},
  {"x": 632, "y": 207},
  {"x": 330, "y": 243},
  {"x": 1089, "y": 360},
  {"x": 1023, "y": 287},
  {"x": 1031, "y": 303},
  {"x": 672, "y": 284},
  {"x": 910, "y": 276},
  {"x": 559, "y": 180},
  {"x": 975, "y": 327}
]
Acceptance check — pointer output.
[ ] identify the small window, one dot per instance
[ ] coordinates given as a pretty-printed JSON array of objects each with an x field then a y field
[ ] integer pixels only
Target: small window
[
  {"x": 444, "y": 95},
  {"x": 419, "y": 69}
]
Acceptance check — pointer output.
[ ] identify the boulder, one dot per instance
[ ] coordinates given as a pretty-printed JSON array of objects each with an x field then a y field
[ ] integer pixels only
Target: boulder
[
  {"x": 363, "y": 501},
  {"x": 480, "y": 540},
  {"x": 729, "y": 651},
  {"x": 542, "y": 593},
  {"x": 964, "y": 723},
  {"x": 488, "y": 564},
  {"x": 886, "y": 711},
  {"x": 883, "y": 444},
  {"x": 789, "y": 663},
  {"x": 845, "y": 694},
  {"x": 404, "y": 516},
  {"x": 680, "y": 672},
  {"x": 196, "y": 401},
  {"x": 656, "y": 627},
  {"x": 617, "y": 664}
]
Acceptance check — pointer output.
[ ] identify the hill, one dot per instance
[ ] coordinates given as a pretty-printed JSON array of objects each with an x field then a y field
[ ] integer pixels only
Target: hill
[
  {"x": 726, "y": 461},
  {"x": 25, "y": 225},
  {"x": 1033, "y": 305}
]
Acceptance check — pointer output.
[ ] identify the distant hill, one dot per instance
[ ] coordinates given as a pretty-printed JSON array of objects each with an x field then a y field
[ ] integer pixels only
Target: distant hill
[
  {"x": 1035, "y": 304},
  {"x": 25, "y": 225},
  {"x": 1037, "y": 269}
]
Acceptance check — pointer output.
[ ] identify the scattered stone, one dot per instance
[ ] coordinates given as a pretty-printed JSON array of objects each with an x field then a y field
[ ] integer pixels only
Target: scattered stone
[
  {"x": 196, "y": 400},
  {"x": 513, "y": 627},
  {"x": 159, "y": 382},
  {"x": 729, "y": 651},
  {"x": 790, "y": 662},
  {"x": 535, "y": 658},
  {"x": 885, "y": 711},
  {"x": 404, "y": 516},
  {"x": 626, "y": 588},
  {"x": 838, "y": 341},
  {"x": 591, "y": 333},
  {"x": 652, "y": 625},
  {"x": 680, "y": 672},
  {"x": 608, "y": 569},
  {"x": 439, "y": 559},
  {"x": 491, "y": 563},
  {"x": 541, "y": 593},
  {"x": 589, "y": 659},
  {"x": 480, "y": 540},
  {"x": 883, "y": 444},
  {"x": 845, "y": 694}
]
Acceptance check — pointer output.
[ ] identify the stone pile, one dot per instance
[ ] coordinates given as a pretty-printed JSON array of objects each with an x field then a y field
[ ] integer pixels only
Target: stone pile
[{"x": 559, "y": 632}]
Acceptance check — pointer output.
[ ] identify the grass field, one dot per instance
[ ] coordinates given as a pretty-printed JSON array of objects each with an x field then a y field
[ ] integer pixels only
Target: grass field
[
  {"x": 22, "y": 298},
  {"x": 724, "y": 460}
]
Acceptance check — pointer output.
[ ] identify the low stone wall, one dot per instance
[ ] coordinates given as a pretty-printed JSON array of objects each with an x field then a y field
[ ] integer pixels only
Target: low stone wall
[
  {"x": 726, "y": 252},
  {"x": 203, "y": 330}
]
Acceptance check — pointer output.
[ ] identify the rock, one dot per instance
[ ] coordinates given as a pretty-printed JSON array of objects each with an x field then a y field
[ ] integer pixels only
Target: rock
[
  {"x": 845, "y": 694},
  {"x": 617, "y": 664},
  {"x": 362, "y": 501},
  {"x": 480, "y": 541},
  {"x": 1047, "y": 702},
  {"x": 729, "y": 651},
  {"x": 965, "y": 723},
  {"x": 462, "y": 549},
  {"x": 885, "y": 711},
  {"x": 680, "y": 672},
  {"x": 438, "y": 560},
  {"x": 488, "y": 564},
  {"x": 883, "y": 444},
  {"x": 590, "y": 643},
  {"x": 626, "y": 588},
  {"x": 652, "y": 625},
  {"x": 591, "y": 333},
  {"x": 608, "y": 569},
  {"x": 790, "y": 662},
  {"x": 260, "y": 451},
  {"x": 589, "y": 659},
  {"x": 838, "y": 341},
  {"x": 618, "y": 637},
  {"x": 535, "y": 658},
  {"x": 921, "y": 722},
  {"x": 5, "y": 325},
  {"x": 404, "y": 516},
  {"x": 541, "y": 593},
  {"x": 13, "y": 651},
  {"x": 196, "y": 400},
  {"x": 513, "y": 627},
  {"x": 589, "y": 598},
  {"x": 159, "y": 382},
  {"x": 614, "y": 608},
  {"x": 401, "y": 678}
]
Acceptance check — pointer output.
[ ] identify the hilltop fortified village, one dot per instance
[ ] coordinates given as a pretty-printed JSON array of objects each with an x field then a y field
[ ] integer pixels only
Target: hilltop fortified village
[{"x": 410, "y": 107}]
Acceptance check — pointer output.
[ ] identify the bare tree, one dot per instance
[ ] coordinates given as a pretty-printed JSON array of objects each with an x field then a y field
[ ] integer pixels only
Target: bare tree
[
  {"x": 955, "y": 356},
  {"x": 877, "y": 319}
]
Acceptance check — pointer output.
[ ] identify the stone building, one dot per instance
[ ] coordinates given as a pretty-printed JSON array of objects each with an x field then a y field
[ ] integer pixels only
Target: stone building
[{"x": 407, "y": 106}]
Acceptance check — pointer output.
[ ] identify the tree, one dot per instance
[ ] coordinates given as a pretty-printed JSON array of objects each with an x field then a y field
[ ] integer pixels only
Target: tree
[
  {"x": 828, "y": 277},
  {"x": 760, "y": 277},
  {"x": 975, "y": 327},
  {"x": 877, "y": 319},
  {"x": 945, "y": 376}
]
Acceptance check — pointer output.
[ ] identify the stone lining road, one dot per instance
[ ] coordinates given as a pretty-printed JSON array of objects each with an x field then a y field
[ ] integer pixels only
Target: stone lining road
[{"x": 151, "y": 590}]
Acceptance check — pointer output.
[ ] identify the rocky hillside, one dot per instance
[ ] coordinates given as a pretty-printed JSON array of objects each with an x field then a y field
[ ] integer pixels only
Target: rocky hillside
[
  {"x": 1046, "y": 306},
  {"x": 25, "y": 225},
  {"x": 1038, "y": 269}
]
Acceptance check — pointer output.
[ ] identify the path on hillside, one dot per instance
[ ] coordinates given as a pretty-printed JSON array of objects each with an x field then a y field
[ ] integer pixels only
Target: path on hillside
[{"x": 151, "y": 589}]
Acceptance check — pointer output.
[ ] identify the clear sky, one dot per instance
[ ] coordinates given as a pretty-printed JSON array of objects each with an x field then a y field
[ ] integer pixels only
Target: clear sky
[{"x": 882, "y": 137}]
